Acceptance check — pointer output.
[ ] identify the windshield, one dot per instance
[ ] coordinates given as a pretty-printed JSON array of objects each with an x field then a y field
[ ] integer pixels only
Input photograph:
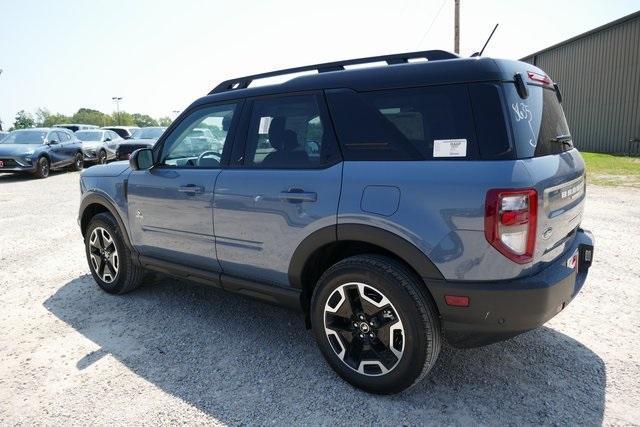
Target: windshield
[
  {"x": 538, "y": 122},
  {"x": 89, "y": 135},
  {"x": 25, "y": 137},
  {"x": 147, "y": 133}
]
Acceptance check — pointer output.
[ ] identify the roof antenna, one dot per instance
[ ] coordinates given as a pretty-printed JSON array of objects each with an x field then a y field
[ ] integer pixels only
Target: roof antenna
[{"x": 486, "y": 43}]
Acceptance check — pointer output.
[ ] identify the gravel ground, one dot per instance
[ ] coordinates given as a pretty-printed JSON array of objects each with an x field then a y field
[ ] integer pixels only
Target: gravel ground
[{"x": 174, "y": 352}]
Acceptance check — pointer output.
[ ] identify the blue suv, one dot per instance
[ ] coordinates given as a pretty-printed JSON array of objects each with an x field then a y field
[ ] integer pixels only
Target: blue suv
[{"x": 395, "y": 206}]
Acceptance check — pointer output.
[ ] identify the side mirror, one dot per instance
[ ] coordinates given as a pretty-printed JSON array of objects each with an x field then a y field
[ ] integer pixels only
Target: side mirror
[
  {"x": 107, "y": 139},
  {"x": 52, "y": 142},
  {"x": 141, "y": 159}
]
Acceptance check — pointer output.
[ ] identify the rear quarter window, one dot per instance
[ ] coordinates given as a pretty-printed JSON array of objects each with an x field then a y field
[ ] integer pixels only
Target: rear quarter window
[{"x": 405, "y": 124}]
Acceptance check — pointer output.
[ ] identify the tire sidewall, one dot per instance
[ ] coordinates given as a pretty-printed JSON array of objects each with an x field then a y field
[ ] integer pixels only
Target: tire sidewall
[
  {"x": 410, "y": 366},
  {"x": 78, "y": 162},
  {"x": 39, "y": 173},
  {"x": 102, "y": 157},
  {"x": 105, "y": 221}
]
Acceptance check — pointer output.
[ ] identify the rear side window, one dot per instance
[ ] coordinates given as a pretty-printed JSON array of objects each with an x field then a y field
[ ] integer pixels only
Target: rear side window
[
  {"x": 491, "y": 121},
  {"x": 404, "y": 124},
  {"x": 538, "y": 122}
]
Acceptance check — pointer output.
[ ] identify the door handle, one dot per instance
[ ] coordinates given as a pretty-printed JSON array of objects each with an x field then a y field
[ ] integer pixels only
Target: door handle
[
  {"x": 191, "y": 188},
  {"x": 297, "y": 195}
]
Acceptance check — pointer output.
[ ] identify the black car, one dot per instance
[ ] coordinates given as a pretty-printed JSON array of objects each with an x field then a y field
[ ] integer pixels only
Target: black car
[
  {"x": 38, "y": 150},
  {"x": 141, "y": 138},
  {"x": 125, "y": 132}
]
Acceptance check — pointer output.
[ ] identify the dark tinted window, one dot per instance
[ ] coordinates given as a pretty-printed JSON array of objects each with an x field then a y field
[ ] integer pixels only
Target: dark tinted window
[
  {"x": 538, "y": 122},
  {"x": 490, "y": 113},
  {"x": 289, "y": 132},
  {"x": 404, "y": 124}
]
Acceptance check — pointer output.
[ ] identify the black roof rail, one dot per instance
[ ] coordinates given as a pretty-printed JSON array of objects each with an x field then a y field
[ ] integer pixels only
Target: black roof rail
[{"x": 398, "y": 58}]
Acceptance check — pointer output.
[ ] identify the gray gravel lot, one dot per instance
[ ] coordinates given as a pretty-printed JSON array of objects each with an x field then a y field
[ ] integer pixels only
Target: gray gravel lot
[{"x": 175, "y": 352}]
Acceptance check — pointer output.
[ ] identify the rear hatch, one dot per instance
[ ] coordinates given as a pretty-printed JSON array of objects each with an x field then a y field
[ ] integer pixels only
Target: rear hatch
[{"x": 543, "y": 142}]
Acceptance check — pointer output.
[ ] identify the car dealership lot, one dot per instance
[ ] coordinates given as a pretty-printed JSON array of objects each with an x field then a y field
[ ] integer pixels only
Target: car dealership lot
[{"x": 179, "y": 352}]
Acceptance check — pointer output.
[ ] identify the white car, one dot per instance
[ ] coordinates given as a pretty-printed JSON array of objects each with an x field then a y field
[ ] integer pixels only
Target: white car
[{"x": 99, "y": 145}]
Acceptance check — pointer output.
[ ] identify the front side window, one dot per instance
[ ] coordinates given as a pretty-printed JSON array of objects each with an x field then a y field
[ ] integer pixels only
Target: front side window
[
  {"x": 200, "y": 139},
  {"x": 288, "y": 132}
]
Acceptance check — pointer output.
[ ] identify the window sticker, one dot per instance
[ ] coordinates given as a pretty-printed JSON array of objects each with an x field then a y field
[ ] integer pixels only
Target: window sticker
[{"x": 449, "y": 148}]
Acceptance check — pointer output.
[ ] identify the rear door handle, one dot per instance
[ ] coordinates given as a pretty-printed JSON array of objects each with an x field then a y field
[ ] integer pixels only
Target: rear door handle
[
  {"x": 297, "y": 195},
  {"x": 191, "y": 188}
]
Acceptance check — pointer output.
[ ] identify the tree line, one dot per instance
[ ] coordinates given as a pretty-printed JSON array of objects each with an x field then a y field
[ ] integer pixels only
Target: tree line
[{"x": 87, "y": 116}]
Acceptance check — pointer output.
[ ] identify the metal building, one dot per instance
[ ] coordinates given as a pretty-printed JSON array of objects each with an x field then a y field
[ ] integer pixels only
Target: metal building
[{"x": 599, "y": 77}]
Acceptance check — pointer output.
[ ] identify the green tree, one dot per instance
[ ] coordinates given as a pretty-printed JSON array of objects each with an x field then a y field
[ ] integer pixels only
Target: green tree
[
  {"x": 56, "y": 119},
  {"x": 164, "y": 121},
  {"x": 122, "y": 118},
  {"x": 143, "y": 120},
  {"x": 89, "y": 116},
  {"x": 42, "y": 114},
  {"x": 23, "y": 120}
]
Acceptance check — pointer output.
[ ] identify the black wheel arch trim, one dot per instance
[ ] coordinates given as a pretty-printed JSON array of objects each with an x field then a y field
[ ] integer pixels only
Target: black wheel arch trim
[
  {"x": 401, "y": 247},
  {"x": 99, "y": 199}
]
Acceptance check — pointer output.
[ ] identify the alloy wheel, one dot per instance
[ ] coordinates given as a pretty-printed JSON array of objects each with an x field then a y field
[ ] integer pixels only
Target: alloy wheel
[
  {"x": 44, "y": 168},
  {"x": 104, "y": 254},
  {"x": 102, "y": 158},
  {"x": 364, "y": 329}
]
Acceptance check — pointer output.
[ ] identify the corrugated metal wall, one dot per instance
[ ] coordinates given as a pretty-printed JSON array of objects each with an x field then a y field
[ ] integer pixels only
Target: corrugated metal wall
[{"x": 599, "y": 77}]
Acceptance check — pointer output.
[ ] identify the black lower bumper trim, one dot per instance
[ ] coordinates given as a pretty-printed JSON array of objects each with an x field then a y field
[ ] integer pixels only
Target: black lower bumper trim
[{"x": 501, "y": 310}]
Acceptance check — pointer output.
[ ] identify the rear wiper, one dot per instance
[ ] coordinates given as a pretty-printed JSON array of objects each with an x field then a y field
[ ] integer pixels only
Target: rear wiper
[{"x": 564, "y": 139}]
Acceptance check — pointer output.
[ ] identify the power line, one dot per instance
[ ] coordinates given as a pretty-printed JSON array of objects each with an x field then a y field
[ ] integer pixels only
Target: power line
[{"x": 431, "y": 25}]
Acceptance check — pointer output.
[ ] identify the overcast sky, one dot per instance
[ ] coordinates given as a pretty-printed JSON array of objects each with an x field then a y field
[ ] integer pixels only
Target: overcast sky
[{"x": 161, "y": 55}]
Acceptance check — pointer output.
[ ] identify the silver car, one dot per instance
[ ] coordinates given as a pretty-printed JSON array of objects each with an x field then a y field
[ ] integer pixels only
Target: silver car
[{"x": 99, "y": 145}]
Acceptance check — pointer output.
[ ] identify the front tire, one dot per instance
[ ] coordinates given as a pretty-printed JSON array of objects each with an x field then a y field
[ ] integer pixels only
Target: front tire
[
  {"x": 109, "y": 259},
  {"x": 78, "y": 162},
  {"x": 42, "y": 168},
  {"x": 375, "y": 324},
  {"x": 102, "y": 157}
]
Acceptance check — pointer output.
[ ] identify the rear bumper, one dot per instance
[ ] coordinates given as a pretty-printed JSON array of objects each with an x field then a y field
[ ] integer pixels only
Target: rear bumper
[{"x": 501, "y": 310}]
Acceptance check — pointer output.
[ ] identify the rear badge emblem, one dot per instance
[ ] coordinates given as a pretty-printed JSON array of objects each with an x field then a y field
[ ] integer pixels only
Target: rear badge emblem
[{"x": 546, "y": 234}]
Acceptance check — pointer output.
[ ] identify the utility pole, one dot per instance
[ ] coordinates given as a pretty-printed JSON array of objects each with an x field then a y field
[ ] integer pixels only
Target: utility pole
[
  {"x": 456, "y": 28},
  {"x": 117, "y": 99}
]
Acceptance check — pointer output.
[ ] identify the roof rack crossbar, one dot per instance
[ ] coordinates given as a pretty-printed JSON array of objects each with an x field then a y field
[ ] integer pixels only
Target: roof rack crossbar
[{"x": 398, "y": 58}]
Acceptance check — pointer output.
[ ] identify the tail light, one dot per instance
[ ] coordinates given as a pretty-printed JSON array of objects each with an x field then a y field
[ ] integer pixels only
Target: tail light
[{"x": 510, "y": 223}]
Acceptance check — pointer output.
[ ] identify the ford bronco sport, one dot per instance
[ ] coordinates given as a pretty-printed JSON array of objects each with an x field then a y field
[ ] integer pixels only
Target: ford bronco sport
[{"x": 395, "y": 206}]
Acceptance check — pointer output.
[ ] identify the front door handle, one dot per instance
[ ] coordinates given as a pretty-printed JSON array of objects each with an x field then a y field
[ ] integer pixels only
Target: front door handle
[
  {"x": 297, "y": 195},
  {"x": 191, "y": 188}
]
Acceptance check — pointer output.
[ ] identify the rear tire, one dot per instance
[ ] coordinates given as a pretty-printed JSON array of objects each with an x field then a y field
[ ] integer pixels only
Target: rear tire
[
  {"x": 109, "y": 259},
  {"x": 375, "y": 323},
  {"x": 43, "y": 168},
  {"x": 78, "y": 162}
]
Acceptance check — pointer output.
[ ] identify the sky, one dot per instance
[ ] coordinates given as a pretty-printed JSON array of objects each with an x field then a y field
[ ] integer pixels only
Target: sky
[{"x": 160, "y": 55}]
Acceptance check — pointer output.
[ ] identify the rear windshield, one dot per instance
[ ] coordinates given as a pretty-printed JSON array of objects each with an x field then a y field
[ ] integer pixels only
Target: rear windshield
[{"x": 538, "y": 122}]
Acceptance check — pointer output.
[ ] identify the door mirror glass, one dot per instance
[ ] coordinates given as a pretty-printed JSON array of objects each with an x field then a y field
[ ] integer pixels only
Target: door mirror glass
[{"x": 141, "y": 159}]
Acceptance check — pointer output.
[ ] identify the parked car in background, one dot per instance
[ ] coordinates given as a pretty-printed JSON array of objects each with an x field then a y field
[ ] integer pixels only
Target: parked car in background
[
  {"x": 39, "y": 150},
  {"x": 74, "y": 126},
  {"x": 3, "y": 134},
  {"x": 125, "y": 132},
  {"x": 99, "y": 145},
  {"x": 141, "y": 138}
]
